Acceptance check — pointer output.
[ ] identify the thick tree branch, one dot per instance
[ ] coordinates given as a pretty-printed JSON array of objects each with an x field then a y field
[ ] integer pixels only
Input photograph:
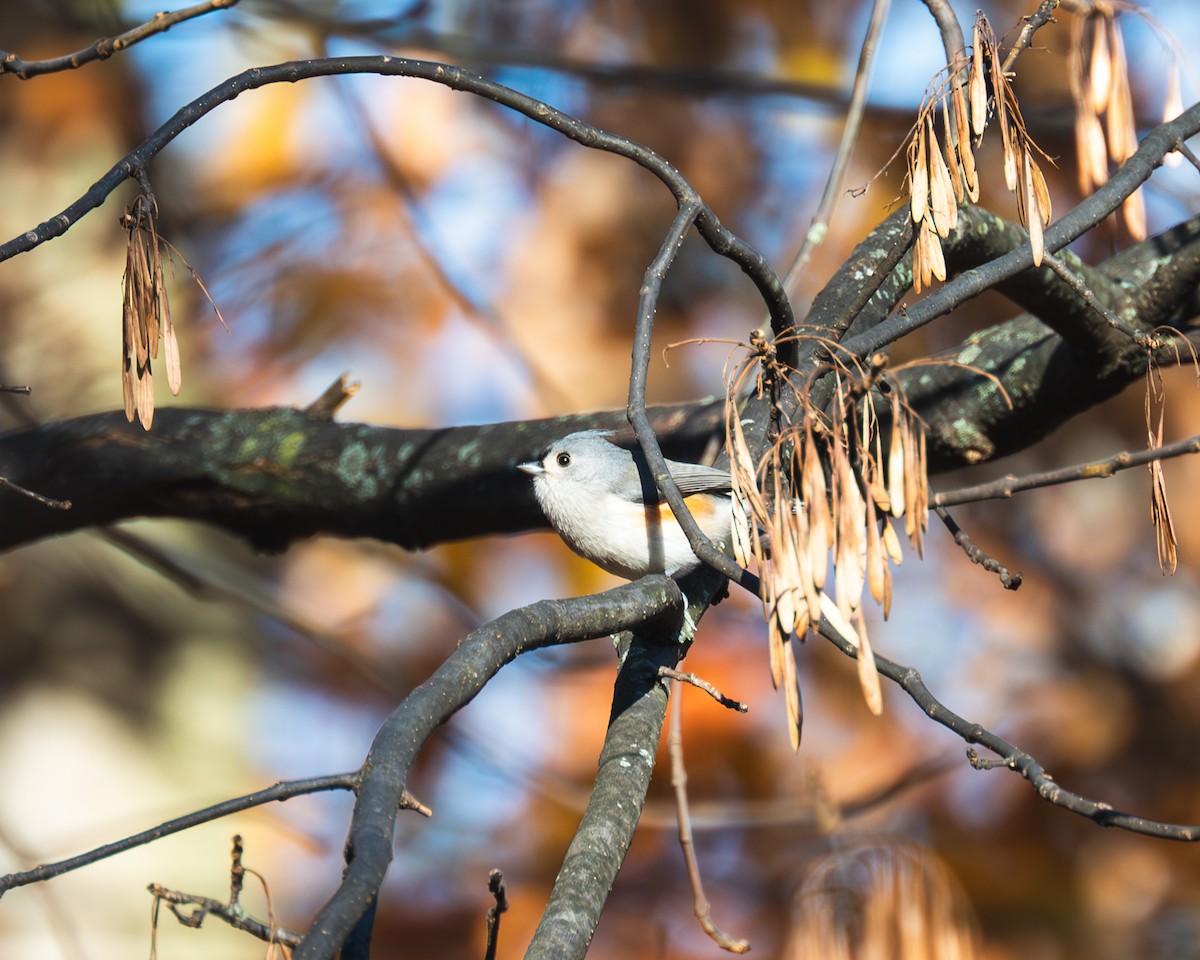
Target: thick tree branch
[
  {"x": 277, "y": 475},
  {"x": 704, "y": 548},
  {"x": 615, "y": 805},
  {"x": 1145, "y": 284},
  {"x": 1008, "y": 386},
  {"x": 868, "y": 284}
]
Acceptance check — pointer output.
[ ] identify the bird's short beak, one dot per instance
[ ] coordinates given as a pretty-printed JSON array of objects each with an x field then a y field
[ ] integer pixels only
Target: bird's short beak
[{"x": 533, "y": 467}]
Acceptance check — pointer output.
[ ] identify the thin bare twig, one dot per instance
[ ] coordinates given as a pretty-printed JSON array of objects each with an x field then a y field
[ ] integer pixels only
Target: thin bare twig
[
  {"x": 701, "y": 684},
  {"x": 1148, "y": 340},
  {"x": 1034, "y": 22},
  {"x": 326, "y": 406},
  {"x": 32, "y": 495},
  {"x": 837, "y": 171},
  {"x": 283, "y": 790},
  {"x": 496, "y": 889},
  {"x": 232, "y": 912},
  {"x": 1006, "y": 486},
  {"x": 105, "y": 48},
  {"x": 1012, "y": 757},
  {"x": 1186, "y": 152},
  {"x": 679, "y": 782},
  {"x": 59, "y": 906},
  {"x": 975, "y": 554},
  {"x": 719, "y": 238}
]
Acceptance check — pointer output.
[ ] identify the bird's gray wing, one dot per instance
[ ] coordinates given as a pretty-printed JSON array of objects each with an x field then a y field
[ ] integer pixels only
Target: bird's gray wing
[
  {"x": 696, "y": 478},
  {"x": 636, "y": 483}
]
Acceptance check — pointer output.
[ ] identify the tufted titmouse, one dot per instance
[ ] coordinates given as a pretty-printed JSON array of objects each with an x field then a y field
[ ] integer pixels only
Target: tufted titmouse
[{"x": 602, "y": 500}]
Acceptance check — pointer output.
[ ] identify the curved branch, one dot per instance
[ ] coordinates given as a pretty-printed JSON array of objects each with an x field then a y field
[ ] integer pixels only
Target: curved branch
[
  {"x": 654, "y": 602},
  {"x": 1012, "y": 757},
  {"x": 704, "y": 548},
  {"x": 949, "y": 27},
  {"x": 719, "y": 238},
  {"x": 1033, "y": 23}
]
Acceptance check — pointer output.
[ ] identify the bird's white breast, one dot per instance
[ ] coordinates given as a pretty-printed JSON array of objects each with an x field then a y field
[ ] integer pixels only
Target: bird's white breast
[{"x": 621, "y": 536}]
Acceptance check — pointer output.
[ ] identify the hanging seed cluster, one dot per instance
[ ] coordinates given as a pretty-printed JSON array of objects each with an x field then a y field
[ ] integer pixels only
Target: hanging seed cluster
[
  {"x": 942, "y": 173},
  {"x": 146, "y": 313},
  {"x": 1160, "y": 512},
  {"x": 1105, "y": 121},
  {"x": 1105, "y": 127},
  {"x": 1106, "y": 130},
  {"x": 827, "y": 498}
]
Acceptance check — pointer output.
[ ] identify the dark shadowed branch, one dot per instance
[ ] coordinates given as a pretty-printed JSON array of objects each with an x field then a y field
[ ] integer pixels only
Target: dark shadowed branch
[
  {"x": 277, "y": 475},
  {"x": 615, "y": 805},
  {"x": 704, "y": 548},
  {"x": 975, "y": 553},
  {"x": 653, "y": 603},
  {"x": 495, "y": 911}
]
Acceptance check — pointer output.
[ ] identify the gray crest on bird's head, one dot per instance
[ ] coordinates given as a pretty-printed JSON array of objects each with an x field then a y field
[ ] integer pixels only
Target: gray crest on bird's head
[{"x": 588, "y": 457}]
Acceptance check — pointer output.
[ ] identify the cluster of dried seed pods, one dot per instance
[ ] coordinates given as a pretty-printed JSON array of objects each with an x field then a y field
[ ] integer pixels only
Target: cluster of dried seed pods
[
  {"x": 1105, "y": 125},
  {"x": 146, "y": 312},
  {"x": 1160, "y": 512},
  {"x": 1106, "y": 130},
  {"x": 826, "y": 490},
  {"x": 942, "y": 173}
]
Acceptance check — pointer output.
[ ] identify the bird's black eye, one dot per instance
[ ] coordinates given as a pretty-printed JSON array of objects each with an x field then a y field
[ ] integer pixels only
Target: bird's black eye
[{"x": 564, "y": 459}]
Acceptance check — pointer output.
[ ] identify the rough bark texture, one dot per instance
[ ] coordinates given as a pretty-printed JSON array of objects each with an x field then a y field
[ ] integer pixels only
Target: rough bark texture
[{"x": 277, "y": 475}]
